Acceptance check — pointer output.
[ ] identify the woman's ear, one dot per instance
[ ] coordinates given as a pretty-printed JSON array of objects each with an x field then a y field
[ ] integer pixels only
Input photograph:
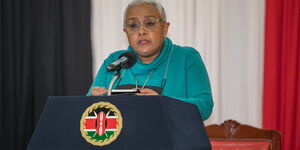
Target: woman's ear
[{"x": 166, "y": 28}]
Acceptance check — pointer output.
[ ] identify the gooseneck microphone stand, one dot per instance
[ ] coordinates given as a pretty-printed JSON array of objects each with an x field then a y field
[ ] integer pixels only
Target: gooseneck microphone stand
[
  {"x": 112, "y": 82},
  {"x": 126, "y": 60}
]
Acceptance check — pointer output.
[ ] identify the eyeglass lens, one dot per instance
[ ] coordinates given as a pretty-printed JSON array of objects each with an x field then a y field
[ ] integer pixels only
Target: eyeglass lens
[{"x": 134, "y": 25}]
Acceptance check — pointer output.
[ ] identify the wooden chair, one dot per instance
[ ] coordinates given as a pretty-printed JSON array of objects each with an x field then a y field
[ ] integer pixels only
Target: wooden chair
[{"x": 231, "y": 135}]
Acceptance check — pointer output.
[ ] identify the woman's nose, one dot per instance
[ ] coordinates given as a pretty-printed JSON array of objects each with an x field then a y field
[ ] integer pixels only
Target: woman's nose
[{"x": 142, "y": 30}]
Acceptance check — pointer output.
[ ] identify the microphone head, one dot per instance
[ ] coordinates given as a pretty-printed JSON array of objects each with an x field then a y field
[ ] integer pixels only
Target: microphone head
[{"x": 131, "y": 59}]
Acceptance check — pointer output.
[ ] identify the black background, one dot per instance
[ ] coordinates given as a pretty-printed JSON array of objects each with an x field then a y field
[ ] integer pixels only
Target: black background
[{"x": 45, "y": 50}]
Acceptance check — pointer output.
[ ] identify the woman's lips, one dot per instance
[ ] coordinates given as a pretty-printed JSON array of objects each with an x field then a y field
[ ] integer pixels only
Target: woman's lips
[{"x": 143, "y": 42}]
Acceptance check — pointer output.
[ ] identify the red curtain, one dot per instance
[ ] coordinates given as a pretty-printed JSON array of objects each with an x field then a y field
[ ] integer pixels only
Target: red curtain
[{"x": 281, "y": 98}]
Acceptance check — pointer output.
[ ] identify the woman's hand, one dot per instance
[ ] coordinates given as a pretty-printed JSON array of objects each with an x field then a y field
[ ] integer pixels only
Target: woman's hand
[
  {"x": 147, "y": 92},
  {"x": 98, "y": 91}
]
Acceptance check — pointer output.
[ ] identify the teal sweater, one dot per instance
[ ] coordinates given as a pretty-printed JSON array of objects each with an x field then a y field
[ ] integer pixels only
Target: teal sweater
[{"x": 185, "y": 75}]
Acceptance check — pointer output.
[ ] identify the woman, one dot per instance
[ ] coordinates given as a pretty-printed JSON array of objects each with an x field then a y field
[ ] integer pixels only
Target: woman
[{"x": 162, "y": 68}]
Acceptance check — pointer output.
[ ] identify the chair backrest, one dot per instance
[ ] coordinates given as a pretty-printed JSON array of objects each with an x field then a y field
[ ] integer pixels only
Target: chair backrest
[{"x": 232, "y": 135}]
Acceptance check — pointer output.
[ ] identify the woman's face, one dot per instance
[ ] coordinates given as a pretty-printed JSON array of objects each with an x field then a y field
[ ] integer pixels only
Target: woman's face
[{"x": 147, "y": 38}]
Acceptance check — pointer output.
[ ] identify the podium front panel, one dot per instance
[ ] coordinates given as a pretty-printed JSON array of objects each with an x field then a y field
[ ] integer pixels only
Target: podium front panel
[{"x": 149, "y": 122}]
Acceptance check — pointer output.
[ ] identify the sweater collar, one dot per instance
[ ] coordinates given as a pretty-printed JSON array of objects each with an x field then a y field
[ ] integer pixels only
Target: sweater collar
[{"x": 140, "y": 68}]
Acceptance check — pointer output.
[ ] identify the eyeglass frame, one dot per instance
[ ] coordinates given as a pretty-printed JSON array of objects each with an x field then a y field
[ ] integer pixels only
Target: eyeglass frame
[{"x": 140, "y": 25}]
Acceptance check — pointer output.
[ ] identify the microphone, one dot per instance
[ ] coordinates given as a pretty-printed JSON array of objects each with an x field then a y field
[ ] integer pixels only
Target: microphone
[{"x": 126, "y": 60}]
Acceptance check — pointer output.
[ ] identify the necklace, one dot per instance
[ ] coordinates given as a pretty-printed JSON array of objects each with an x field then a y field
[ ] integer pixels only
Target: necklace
[{"x": 136, "y": 80}]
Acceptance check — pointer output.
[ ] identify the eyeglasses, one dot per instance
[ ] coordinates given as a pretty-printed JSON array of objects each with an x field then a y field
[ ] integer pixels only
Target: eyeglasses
[{"x": 133, "y": 25}]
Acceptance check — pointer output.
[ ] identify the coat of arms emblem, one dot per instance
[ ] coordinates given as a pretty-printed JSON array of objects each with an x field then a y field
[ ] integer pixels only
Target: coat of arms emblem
[{"x": 101, "y": 123}]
